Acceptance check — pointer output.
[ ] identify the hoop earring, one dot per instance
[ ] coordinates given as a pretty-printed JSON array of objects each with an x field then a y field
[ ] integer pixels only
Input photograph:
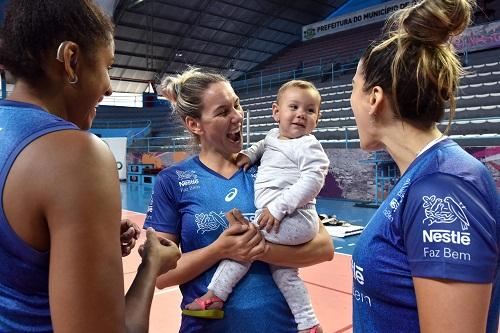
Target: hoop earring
[{"x": 74, "y": 80}]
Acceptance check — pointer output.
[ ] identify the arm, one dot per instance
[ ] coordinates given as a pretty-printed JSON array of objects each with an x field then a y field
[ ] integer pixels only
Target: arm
[
  {"x": 241, "y": 241},
  {"x": 83, "y": 214},
  {"x": 255, "y": 152},
  {"x": 451, "y": 306},
  {"x": 452, "y": 287},
  {"x": 312, "y": 163},
  {"x": 159, "y": 255},
  {"x": 319, "y": 249}
]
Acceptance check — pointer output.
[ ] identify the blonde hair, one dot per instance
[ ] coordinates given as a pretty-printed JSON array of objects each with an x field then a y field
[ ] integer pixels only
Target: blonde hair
[
  {"x": 302, "y": 84},
  {"x": 424, "y": 68},
  {"x": 185, "y": 91}
]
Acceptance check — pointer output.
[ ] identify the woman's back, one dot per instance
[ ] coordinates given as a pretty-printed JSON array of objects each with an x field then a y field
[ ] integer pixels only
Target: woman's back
[{"x": 24, "y": 304}]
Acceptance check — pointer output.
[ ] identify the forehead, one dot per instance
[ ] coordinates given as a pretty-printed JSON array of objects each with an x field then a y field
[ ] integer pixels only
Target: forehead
[
  {"x": 300, "y": 93},
  {"x": 218, "y": 93}
]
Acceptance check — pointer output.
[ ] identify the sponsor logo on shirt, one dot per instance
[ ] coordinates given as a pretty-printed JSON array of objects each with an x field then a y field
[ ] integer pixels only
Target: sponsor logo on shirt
[
  {"x": 442, "y": 212},
  {"x": 445, "y": 210},
  {"x": 150, "y": 206},
  {"x": 231, "y": 195},
  {"x": 396, "y": 201},
  {"x": 357, "y": 275},
  {"x": 210, "y": 221},
  {"x": 188, "y": 180}
]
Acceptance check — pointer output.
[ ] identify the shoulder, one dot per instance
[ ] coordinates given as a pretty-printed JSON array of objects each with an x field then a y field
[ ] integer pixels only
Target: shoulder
[
  {"x": 70, "y": 148},
  {"x": 451, "y": 167},
  {"x": 273, "y": 133},
  {"x": 444, "y": 196}
]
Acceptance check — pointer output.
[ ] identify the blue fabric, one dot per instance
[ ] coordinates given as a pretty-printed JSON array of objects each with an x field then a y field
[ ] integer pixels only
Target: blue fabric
[
  {"x": 24, "y": 304},
  {"x": 441, "y": 220},
  {"x": 190, "y": 200}
]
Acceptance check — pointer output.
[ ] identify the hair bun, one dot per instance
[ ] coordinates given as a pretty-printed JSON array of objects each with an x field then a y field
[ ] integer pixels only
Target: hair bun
[
  {"x": 434, "y": 21},
  {"x": 170, "y": 88}
]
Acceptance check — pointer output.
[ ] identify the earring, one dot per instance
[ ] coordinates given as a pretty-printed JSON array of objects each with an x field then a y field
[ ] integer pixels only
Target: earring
[
  {"x": 74, "y": 80},
  {"x": 60, "y": 58}
]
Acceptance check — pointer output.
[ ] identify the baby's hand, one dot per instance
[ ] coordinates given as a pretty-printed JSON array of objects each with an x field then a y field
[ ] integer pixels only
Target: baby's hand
[
  {"x": 267, "y": 221},
  {"x": 243, "y": 160}
]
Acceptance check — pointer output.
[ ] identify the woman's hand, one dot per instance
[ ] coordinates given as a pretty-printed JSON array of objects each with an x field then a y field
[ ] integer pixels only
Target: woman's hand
[
  {"x": 129, "y": 234},
  {"x": 242, "y": 241},
  {"x": 160, "y": 252}
]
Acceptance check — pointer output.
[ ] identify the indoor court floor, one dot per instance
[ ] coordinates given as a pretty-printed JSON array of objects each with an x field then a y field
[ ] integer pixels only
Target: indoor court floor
[{"x": 329, "y": 283}]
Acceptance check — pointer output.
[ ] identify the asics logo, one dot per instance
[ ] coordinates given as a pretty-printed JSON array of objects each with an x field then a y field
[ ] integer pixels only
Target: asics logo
[{"x": 231, "y": 195}]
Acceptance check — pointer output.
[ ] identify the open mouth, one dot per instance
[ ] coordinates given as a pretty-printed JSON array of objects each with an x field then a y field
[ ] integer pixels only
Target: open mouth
[
  {"x": 234, "y": 137},
  {"x": 299, "y": 125}
]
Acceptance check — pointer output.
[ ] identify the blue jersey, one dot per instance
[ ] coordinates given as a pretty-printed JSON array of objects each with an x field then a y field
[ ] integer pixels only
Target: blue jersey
[
  {"x": 24, "y": 271},
  {"x": 189, "y": 200},
  {"x": 441, "y": 220}
]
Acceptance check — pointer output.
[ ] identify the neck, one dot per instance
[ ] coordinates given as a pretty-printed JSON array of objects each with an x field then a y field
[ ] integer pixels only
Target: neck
[
  {"x": 404, "y": 152},
  {"x": 222, "y": 164},
  {"x": 24, "y": 92}
]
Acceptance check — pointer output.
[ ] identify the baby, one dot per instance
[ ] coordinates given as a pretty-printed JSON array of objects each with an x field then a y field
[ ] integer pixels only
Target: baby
[{"x": 291, "y": 174}]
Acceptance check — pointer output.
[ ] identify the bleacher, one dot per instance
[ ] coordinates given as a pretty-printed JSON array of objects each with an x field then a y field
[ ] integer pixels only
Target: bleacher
[{"x": 477, "y": 119}]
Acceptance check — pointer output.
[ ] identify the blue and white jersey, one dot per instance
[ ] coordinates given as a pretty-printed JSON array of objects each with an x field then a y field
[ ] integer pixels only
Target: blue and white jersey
[
  {"x": 441, "y": 220},
  {"x": 189, "y": 200}
]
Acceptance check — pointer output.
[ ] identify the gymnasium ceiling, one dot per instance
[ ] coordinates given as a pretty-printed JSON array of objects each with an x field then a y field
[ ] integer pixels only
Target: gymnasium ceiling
[{"x": 157, "y": 37}]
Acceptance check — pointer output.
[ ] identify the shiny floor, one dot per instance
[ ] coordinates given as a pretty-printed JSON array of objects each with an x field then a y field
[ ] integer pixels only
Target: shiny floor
[
  {"x": 136, "y": 198},
  {"x": 329, "y": 284}
]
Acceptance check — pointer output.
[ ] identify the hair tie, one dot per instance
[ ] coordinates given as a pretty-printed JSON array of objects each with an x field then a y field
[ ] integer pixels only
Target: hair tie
[{"x": 177, "y": 87}]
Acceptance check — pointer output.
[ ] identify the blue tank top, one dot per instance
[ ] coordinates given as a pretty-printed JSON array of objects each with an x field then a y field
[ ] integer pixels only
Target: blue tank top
[{"x": 24, "y": 271}]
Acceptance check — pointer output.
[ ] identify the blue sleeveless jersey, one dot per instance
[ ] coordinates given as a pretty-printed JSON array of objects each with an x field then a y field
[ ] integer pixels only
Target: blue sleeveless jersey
[
  {"x": 189, "y": 200},
  {"x": 441, "y": 221},
  {"x": 24, "y": 302}
]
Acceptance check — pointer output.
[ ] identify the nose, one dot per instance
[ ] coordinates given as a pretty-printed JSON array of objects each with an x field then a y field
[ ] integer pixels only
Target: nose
[
  {"x": 301, "y": 113},
  {"x": 238, "y": 115},
  {"x": 108, "y": 91}
]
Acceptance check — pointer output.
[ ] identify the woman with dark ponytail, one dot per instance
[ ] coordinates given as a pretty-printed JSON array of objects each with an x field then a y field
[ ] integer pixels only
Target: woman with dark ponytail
[{"x": 428, "y": 260}]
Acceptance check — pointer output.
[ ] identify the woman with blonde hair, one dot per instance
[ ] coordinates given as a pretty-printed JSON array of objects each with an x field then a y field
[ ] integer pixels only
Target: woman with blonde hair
[
  {"x": 428, "y": 259},
  {"x": 188, "y": 205}
]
